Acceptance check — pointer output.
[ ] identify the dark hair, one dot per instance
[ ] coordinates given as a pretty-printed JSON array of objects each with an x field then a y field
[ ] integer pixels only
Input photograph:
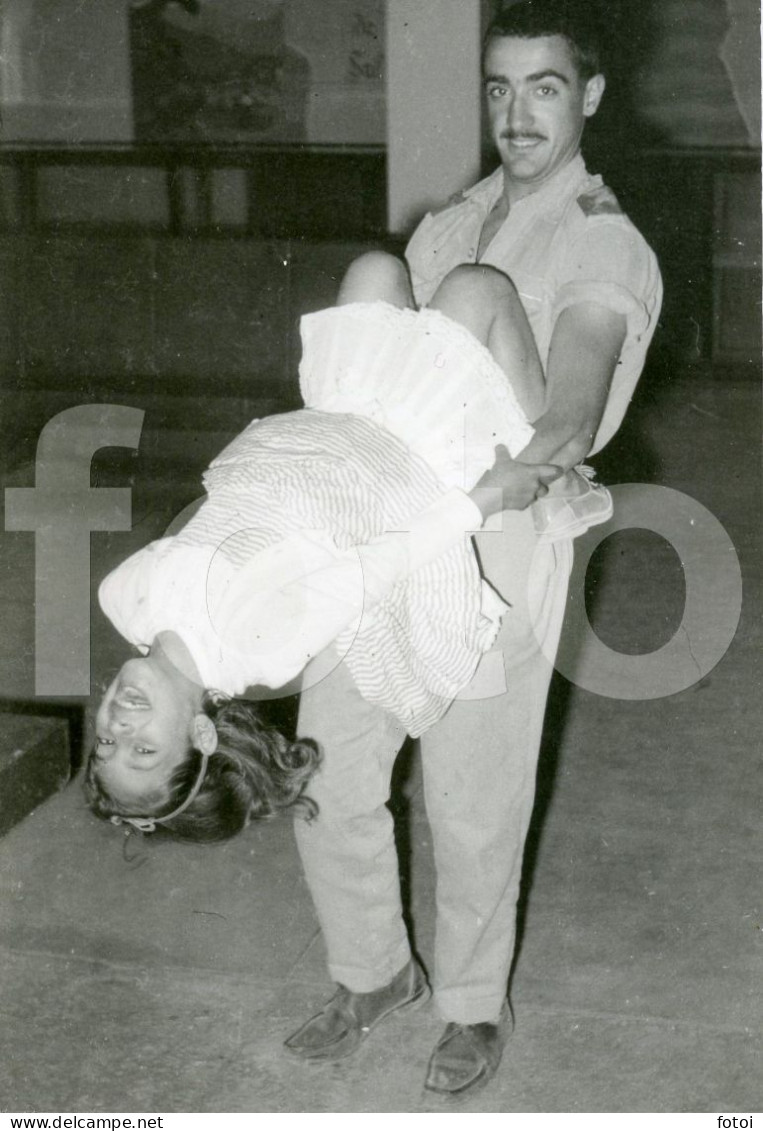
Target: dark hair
[
  {"x": 576, "y": 20},
  {"x": 255, "y": 773}
]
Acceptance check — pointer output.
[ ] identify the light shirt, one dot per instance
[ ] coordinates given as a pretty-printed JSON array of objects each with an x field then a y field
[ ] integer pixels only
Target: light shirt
[{"x": 564, "y": 244}]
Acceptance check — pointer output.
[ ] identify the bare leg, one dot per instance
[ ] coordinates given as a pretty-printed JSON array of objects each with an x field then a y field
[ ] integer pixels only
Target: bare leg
[
  {"x": 377, "y": 277},
  {"x": 485, "y": 301}
]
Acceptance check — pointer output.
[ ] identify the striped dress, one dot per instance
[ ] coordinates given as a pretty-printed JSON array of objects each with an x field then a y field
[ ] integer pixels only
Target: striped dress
[
  {"x": 349, "y": 477},
  {"x": 309, "y": 470}
]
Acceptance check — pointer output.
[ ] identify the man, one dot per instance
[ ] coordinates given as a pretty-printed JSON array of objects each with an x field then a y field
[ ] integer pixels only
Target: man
[{"x": 591, "y": 291}]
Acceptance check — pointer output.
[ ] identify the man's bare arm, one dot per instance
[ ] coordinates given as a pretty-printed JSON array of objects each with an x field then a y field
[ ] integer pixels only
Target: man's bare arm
[
  {"x": 584, "y": 352},
  {"x": 511, "y": 485},
  {"x": 585, "y": 348}
]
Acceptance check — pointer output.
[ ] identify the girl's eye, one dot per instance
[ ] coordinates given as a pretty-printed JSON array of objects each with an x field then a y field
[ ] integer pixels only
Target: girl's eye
[
  {"x": 144, "y": 750},
  {"x": 104, "y": 741}
]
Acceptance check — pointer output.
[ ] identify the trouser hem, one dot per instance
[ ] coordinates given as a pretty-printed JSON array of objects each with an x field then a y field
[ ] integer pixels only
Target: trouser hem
[
  {"x": 469, "y": 1011},
  {"x": 361, "y": 981}
]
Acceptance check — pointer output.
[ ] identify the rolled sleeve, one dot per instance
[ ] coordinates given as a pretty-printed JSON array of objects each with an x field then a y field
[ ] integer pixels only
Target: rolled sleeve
[{"x": 607, "y": 265}]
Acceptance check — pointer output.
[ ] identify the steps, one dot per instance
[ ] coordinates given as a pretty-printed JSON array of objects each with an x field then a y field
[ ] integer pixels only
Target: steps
[{"x": 35, "y": 762}]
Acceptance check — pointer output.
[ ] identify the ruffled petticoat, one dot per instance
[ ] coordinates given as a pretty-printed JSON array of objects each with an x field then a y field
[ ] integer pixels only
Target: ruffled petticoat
[{"x": 419, "y": 375}]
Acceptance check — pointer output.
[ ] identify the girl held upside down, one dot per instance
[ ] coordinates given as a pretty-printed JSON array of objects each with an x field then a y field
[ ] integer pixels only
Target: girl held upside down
[{"x": 336, "y": 532}]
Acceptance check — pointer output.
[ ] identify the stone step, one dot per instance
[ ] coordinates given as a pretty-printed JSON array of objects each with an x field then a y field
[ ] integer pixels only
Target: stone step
[{"x": 35, "y": 762}]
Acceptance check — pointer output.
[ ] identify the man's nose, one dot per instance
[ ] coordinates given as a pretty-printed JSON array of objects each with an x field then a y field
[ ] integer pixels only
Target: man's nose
[{"x": 518, "y": 114}]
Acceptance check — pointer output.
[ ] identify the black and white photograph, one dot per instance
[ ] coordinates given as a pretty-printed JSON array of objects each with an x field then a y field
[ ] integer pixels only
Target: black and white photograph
[{"x": 380, "y": 589}]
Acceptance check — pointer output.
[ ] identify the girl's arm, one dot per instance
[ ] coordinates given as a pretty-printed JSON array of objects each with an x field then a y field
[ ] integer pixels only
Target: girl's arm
[
  {"x": 261, "y": 624},
  {"x": 295, "y": 598}
]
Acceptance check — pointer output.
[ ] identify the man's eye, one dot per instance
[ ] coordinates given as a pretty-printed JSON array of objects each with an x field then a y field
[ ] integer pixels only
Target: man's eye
[
  {"x": 546, "y": 91},
  {"x": 496, "y": 91}
]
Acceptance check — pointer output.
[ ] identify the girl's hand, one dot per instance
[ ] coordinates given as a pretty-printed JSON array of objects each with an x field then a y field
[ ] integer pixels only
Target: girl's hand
[{"x": 512, "y": 485}]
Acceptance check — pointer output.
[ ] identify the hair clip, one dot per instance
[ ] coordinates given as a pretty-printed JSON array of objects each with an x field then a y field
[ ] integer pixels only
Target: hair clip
[{"x": 142, "y": 824}]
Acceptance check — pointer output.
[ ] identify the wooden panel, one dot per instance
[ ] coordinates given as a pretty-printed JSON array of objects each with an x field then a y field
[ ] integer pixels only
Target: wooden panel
[
  {"x": 737, "y": 217},
  {"x": 86, "y": 194},
  {"x": 318, "y": 195},
  {"x": 737, "y": 319},
  {"x": 737, "y": 269},
  {"x": 230, "y": 198},
  {"x": 283, "y": 192},
  {"x": 220, "y": 310},
  {"x": 86, "y": 306},
  {"x": 12, "y": 255}
]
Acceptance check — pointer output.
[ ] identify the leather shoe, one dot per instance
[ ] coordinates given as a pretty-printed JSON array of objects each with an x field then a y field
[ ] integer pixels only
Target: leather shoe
[
  {"x": 348, "y": 1018},
  {"x": 467, "y": 1056}
]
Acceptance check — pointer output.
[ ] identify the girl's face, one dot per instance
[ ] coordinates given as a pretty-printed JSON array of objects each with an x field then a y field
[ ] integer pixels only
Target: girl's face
[{"x": 144, "y": 729}]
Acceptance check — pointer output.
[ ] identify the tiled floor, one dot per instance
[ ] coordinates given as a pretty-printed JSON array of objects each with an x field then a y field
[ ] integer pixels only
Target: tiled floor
[{"x": 140, "y": 976}]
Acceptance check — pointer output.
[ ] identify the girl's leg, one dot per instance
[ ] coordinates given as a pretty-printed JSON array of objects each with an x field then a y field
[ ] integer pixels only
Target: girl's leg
[
  {"x": 377, "y": 277},
  {"x": 485, "y": 301}
]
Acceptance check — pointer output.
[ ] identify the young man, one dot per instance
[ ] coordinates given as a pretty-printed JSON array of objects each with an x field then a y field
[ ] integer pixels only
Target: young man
[{"x": 591, "y": 292}]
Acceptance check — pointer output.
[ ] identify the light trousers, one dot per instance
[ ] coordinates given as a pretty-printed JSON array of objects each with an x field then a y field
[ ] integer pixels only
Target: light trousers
[{"x": 479, "y": 766}]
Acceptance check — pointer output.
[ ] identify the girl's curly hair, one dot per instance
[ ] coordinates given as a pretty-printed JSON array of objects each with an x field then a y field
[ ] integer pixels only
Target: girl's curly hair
[{"x": 255, "y": 773}]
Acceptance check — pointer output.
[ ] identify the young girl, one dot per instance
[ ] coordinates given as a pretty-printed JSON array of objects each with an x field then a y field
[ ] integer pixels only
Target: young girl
[{"x": 345, "y": 523}]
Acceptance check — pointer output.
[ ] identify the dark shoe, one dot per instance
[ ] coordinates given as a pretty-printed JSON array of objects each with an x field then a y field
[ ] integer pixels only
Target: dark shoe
[
  {"x": 348, "y": 1018},
  {"x": 467, "y": 1056}
]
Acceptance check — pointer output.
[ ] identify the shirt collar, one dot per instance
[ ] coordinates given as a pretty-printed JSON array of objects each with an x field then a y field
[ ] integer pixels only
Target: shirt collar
[{"x": 553, "y": 192}]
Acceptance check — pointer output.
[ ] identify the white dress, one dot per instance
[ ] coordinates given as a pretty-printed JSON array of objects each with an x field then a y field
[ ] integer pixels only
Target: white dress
[
  {"x": 421, "y": 376},
  {"x": 343, "y": 523}
]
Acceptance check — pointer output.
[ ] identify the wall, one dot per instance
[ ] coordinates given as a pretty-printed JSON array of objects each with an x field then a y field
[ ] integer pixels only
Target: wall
[
  {"x": 434, "y": 105},
  {"x": 65, "y": 66},
  {"x": 64, "y": 71},
  {"x": 700, "y": 82}
]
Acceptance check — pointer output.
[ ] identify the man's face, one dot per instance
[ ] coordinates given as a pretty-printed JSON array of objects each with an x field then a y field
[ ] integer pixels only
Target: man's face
[{"x": 537, "y": 107}]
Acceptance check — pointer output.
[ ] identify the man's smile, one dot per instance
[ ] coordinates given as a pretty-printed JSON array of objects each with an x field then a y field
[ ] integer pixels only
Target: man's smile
[{"x": 522, "y": 141}]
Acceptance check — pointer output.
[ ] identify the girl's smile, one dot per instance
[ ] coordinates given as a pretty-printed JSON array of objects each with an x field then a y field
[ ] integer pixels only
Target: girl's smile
[{"x": 144, "y": 727}]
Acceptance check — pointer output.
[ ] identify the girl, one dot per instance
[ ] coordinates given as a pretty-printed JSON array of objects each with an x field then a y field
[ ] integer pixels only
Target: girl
[{"x": 342, "y": 524}]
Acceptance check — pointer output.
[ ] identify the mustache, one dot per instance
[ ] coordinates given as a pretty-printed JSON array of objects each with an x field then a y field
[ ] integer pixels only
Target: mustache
[{"x": 516, "y": 135}]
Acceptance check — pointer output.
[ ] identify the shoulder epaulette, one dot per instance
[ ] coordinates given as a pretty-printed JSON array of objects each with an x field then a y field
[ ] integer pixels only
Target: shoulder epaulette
[{"x": 600, "y": 202}]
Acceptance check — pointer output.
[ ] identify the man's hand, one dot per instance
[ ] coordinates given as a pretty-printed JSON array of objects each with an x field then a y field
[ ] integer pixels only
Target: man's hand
[{"x": 512, "y": 485}]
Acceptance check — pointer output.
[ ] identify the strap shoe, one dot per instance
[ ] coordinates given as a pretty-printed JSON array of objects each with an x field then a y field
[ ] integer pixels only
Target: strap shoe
[{"x": 574, "y": 504}]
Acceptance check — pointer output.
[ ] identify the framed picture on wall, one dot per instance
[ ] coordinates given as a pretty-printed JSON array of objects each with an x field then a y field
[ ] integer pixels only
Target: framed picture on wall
[{"x": 257, "y": 71}]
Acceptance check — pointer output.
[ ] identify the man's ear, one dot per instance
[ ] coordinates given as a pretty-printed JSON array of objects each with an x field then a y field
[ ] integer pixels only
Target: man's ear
[
  {"x": 594, "y": 90},
  {"x": 204, "y": 734}
]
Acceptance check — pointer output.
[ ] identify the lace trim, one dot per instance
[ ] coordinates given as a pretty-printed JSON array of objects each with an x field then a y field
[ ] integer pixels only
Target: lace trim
[{"x": 455, "y": 334}]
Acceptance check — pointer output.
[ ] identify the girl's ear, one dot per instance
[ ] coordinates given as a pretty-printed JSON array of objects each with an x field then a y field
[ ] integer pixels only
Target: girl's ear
[{"x": 204, "y": 734}]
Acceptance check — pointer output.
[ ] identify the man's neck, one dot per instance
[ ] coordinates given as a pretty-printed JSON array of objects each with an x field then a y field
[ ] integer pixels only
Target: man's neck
[{"x": 514, "y": 191}]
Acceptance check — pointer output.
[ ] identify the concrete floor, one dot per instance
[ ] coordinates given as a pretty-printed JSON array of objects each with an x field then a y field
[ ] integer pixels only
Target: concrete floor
[{"x": 139, "y": 976}]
